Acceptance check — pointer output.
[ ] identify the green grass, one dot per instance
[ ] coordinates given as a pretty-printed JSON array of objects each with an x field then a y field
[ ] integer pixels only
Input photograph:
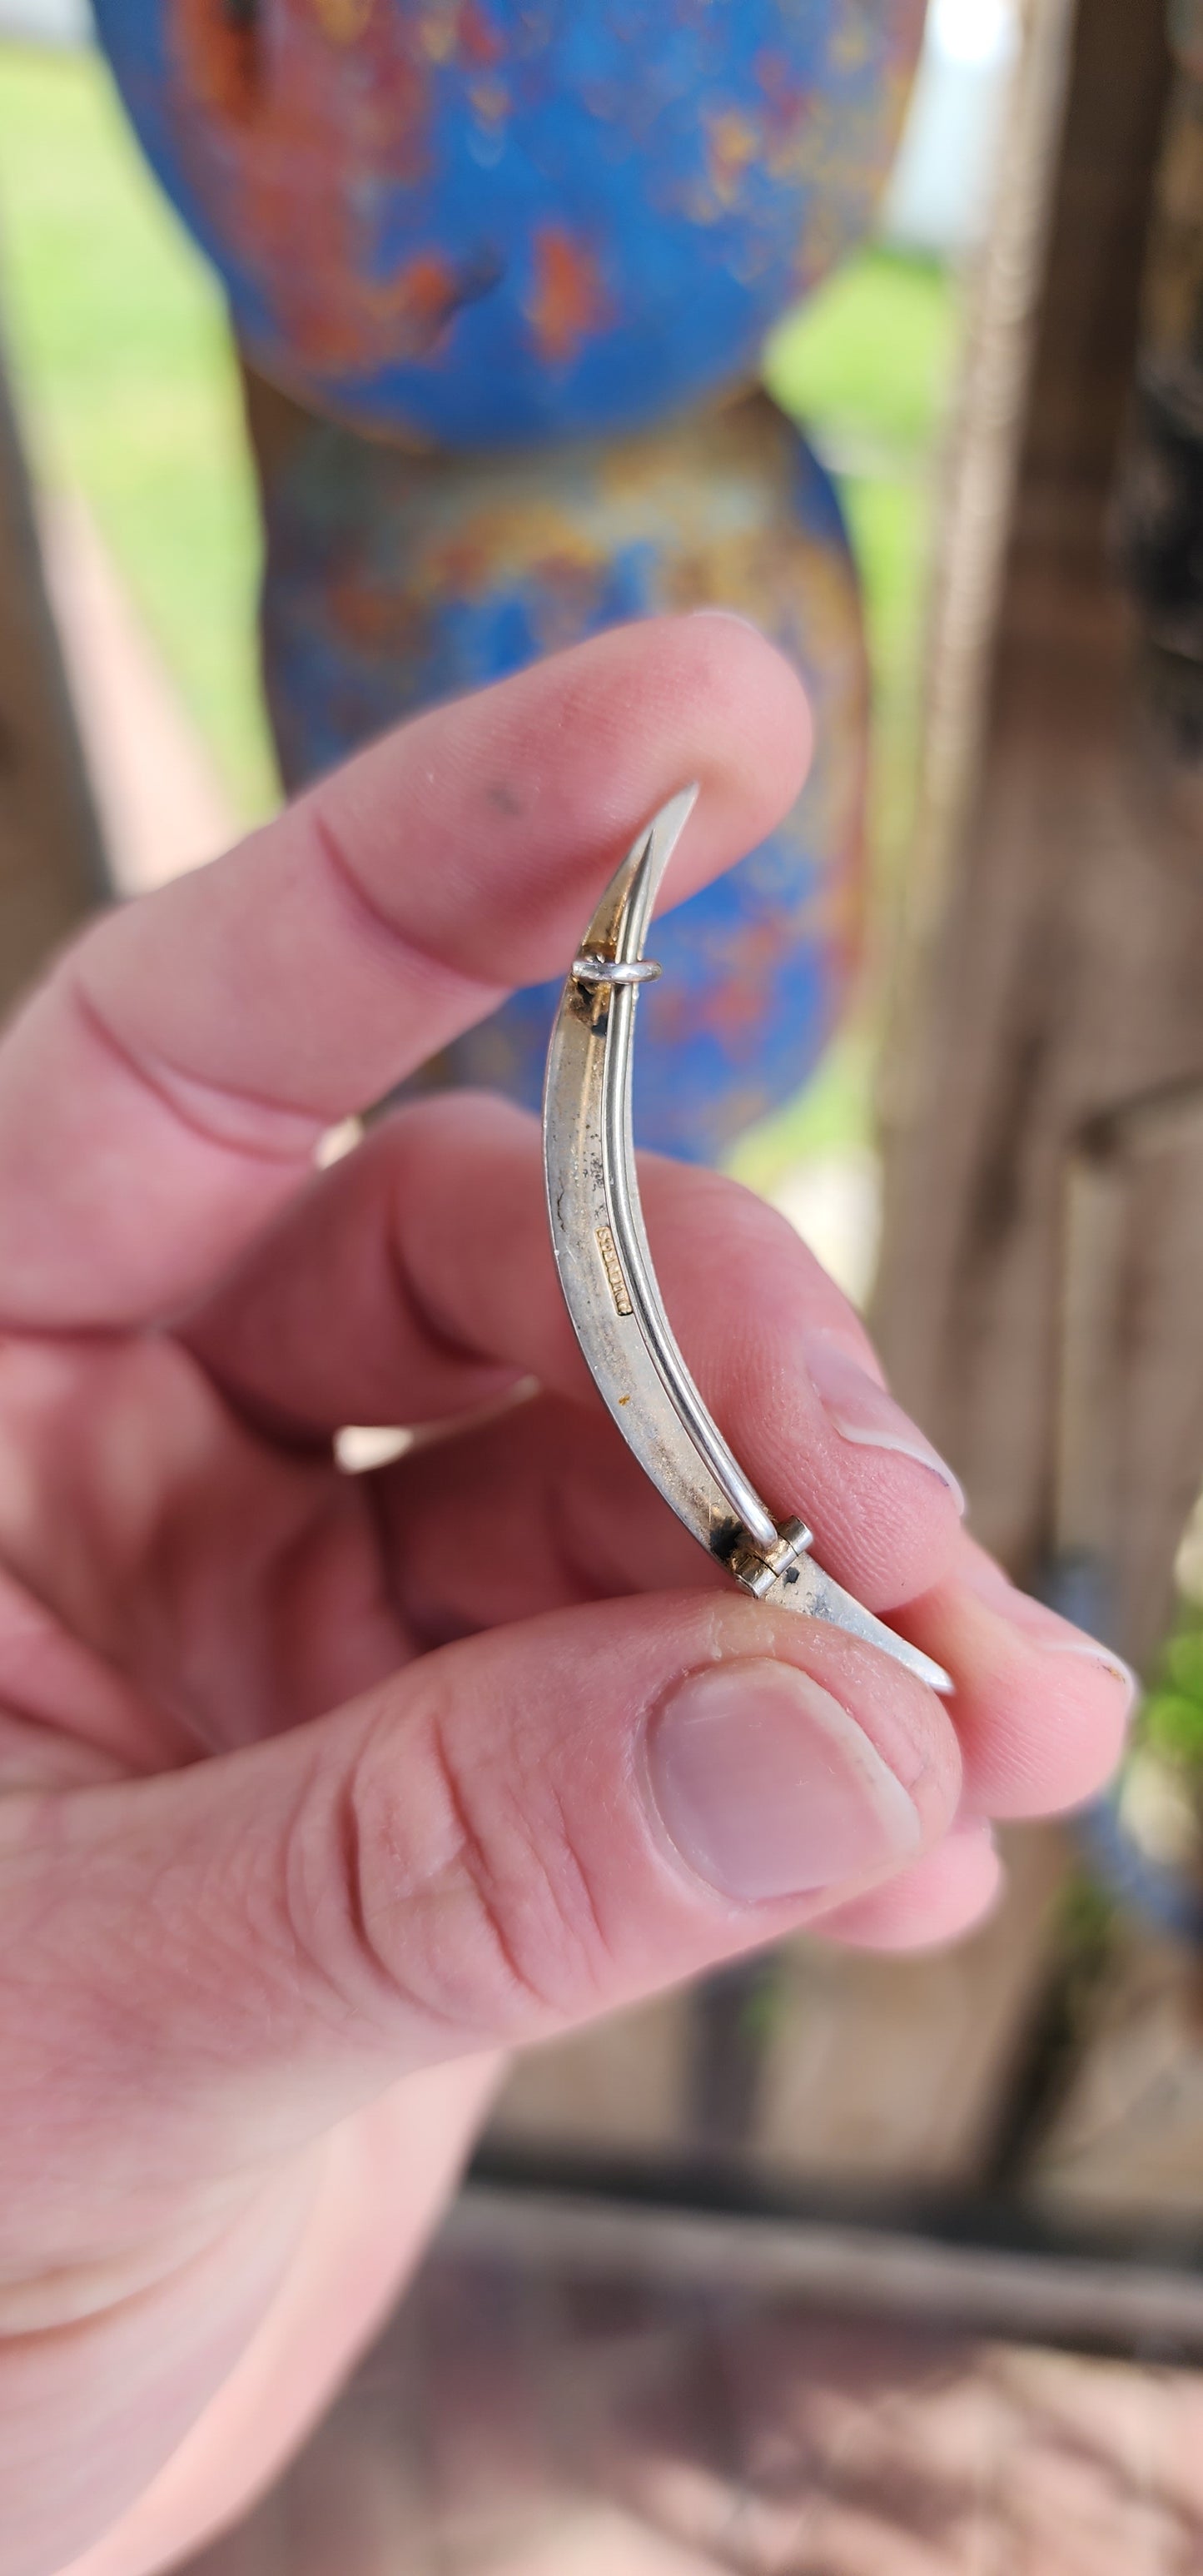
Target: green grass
[
  {"x": 833, "y": 1112},
  {"x": 868, "y": 361},
  {"x": 126, "y": 382},
  {"x": 1172, "y": 1715},
  {"x": 865, "y": 370}
]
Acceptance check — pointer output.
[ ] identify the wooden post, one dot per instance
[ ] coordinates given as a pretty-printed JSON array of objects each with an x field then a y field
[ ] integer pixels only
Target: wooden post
[
  {"x": 1060, "y": 942},
  {"x": 1044, "y": 1243}
]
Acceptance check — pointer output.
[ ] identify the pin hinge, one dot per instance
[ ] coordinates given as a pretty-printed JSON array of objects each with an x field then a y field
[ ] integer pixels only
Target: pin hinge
[
  {"x": 759, "y": 1568},
  {"x": 595, "y": 971}
]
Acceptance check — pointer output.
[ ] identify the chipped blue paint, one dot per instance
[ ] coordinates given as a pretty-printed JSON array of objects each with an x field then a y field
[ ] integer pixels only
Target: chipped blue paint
[
  {"x": 497, "y": 221},
  {"x": 394, "y": 581}
]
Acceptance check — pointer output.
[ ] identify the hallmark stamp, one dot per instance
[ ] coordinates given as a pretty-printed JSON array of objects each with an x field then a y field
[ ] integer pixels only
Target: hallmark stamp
[{"x": 613, "y": 1267}]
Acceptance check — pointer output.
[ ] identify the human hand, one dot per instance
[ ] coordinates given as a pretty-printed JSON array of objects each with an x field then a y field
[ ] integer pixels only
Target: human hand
[{"x": 320, "y": 1791}]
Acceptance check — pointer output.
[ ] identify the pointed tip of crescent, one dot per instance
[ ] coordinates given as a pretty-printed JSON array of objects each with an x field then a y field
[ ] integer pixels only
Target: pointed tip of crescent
[
  {"x": 809, "y": 1590},
  {"x": 663, "y": 834}
]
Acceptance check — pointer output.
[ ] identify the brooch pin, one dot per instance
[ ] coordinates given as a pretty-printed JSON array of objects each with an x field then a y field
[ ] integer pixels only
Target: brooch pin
[{"x": 610, "y": 1284}]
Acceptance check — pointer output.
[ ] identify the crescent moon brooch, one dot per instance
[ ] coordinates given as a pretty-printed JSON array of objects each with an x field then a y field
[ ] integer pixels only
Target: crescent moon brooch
[{"x": 610, "y": 1285}]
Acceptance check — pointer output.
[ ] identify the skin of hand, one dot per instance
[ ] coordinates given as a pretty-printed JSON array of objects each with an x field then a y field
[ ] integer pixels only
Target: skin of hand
[{"x": 322, "y": 1792}]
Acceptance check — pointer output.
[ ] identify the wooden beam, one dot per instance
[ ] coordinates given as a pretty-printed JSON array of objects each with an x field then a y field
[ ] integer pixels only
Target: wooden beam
[{"x": 1062, "y": 949}]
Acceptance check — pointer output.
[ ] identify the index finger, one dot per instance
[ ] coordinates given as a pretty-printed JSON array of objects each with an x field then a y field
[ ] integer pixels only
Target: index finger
[{"x": 163, "y": 1091}]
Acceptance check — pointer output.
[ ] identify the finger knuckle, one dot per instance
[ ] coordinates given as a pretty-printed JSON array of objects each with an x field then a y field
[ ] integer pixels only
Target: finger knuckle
[{"x": 446, "y": 1895}]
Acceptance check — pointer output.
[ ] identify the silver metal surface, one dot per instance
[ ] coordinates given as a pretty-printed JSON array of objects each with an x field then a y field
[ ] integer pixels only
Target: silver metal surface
[
  {"x": 592, "y": 971},
  {"x": 609, "y": 1283}
]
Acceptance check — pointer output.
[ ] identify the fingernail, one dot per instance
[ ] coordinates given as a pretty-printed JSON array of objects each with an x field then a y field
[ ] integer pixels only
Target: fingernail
[
  {"x": 1088, "y": 1653},
  {"x": 864, "y": 1412},
  {"x": 767, "y": 1788},
  {"x": 732, "y": 617},
  {"x": 1046, "y": 1629}
]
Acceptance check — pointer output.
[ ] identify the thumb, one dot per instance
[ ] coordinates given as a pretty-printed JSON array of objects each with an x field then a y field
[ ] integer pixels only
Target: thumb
[{"x": 525, "y": 1829}]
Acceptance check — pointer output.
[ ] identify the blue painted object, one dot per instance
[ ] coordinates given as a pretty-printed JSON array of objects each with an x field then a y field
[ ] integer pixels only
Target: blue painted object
[
  {"x": 394, "y": 580},
  {"x": 453, "y": 230},
  {"x": 486, "y": 222}
]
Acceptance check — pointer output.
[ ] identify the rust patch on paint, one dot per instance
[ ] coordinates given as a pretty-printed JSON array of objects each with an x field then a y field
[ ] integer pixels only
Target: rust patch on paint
[
  {"x": 479, "y": 40},
  {"x": 272, "y": 159},
  {"x": 567, "y": 301},
  {"x": 734, "y": 145},
  {"x": 414, "y": 307},
  {"x": 222, "y": 37},
  {"x": 343, "y": 21}
]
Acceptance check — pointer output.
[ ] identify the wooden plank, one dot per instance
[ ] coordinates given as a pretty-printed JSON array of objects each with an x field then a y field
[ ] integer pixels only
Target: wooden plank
[
  {"x": 1126, "y": 2140},
  {"x": 1001, "y": 300},
  {"x": 811, "y": 2065},
  {"x": 1044, "y": 1231},
  {"x": 1061, "y": 977},
  {"x": 1129, "y": 1413},
  {"x": 888, "y": 2275},
  {"x": 576, "y": 2391},
  {"x": 889, "y": 2072},
  {"x": 52, "y": 868},
  {"x": 621, "y": 2088}
]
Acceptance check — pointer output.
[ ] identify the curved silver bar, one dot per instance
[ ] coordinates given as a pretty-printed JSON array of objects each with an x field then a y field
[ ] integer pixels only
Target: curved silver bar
[
  {"x": 609, "y": 1281},
  {"x": 626, "y": 1219}
]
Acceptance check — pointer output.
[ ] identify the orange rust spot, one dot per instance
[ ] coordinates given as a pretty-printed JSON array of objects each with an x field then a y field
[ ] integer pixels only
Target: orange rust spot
[
  {"x": 479, "y": 39},
  {"x": 419, "y": 298},
  {"x": 786, "y": 98},
  {"x": 222, "y": 41},
  {"x": 567, "y": 301},
  {"x": 343, "y": 21},
  {"x": 270, "y": 164},
  {"x": 435, "y": 33},
  {"x": 733, "y": 142}
]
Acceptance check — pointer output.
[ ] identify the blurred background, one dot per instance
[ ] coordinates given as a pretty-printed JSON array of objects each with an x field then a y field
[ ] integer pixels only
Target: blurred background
[
  {"x": 836, "y": 2264},
  {"x": 128, "y": 388}
]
